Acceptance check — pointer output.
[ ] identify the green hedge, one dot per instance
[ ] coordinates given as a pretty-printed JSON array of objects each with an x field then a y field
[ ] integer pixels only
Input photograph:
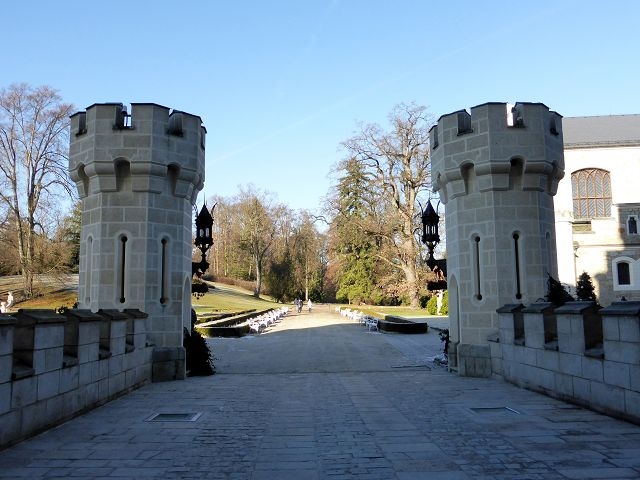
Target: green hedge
[{"x": 432, "y": 304}]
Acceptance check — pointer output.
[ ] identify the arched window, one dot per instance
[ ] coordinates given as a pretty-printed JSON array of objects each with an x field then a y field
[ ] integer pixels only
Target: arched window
[
  {"x": 591, "y": 189},
  {"x": 632, "y": 225},
  {"x": 624, "y": 274}
]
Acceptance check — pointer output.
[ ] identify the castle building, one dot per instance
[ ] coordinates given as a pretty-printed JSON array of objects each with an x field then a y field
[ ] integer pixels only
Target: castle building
[
  {"x": 597, "y": 206},
  {"x": 138, "y": 176},
  {"x": 496, "y": 171}
]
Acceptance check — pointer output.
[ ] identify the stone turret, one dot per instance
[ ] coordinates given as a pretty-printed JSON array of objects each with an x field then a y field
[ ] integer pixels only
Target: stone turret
[
  {"x": 138, "y": 176},
  {"x": 496, "y": 170}
]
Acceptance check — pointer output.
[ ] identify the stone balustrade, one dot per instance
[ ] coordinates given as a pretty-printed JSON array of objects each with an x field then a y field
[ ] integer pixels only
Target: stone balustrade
[
  {"x": 578, "y": 352},
  {"x": 55, "y": 366}
]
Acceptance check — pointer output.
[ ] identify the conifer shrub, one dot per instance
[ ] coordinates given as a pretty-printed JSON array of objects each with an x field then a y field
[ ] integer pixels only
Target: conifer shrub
[
  {"x": 445, "y": 304},
  {"x": 557, "y": 293},
  {"x": 199, "y": 359},
  {"x": 585, "y": 290},
  {"x": 432, "y": 305}
]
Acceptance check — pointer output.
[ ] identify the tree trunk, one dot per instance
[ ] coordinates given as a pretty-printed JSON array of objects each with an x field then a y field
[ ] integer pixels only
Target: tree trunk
[
  {"x": 25, "y": 250},
  {"x": 413, "y": 287},
  {"x": 411, "y": 253},
  {"x": 306, "y": 280},
  {"x": 28, "y": 279},
  {"x": 258, "y": 289}
]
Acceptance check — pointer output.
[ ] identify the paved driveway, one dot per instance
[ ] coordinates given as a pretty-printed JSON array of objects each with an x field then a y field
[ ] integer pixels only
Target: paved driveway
[{"x": 318, "y": 397}]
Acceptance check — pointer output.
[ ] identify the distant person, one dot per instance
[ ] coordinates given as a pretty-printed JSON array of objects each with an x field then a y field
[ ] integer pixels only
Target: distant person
[
  {"x": 9, "y": 303},
  {"x": 298, "y": 304},
  {"x": 309, "y": 305},
  {"x": 3, "y": 307}
]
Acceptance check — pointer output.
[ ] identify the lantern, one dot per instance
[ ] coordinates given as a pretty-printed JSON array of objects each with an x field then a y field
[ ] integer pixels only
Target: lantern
[
  {"x": 203, "y": 240},
  {"x": 430, "y": 236},
  {"x": 204, "y": 230}
]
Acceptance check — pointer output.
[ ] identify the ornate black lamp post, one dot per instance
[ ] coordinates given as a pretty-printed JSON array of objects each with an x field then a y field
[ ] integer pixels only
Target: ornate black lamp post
[
  {"x": 431, "y": 238},
  {"x": 198, "y": 355},
  {"x": 203, "y": 241}
]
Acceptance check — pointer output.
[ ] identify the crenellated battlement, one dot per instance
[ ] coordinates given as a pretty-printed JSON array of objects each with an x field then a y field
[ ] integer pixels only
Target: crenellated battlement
[
  {"x": 157, "y": 147},
  {"x": 579, "y": 352},
  {"x": 56, "y": 366},
  {"x": 495, "y": 143}
]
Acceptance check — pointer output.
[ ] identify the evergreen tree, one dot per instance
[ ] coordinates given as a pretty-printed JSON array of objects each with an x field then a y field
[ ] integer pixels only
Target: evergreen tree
[
  {"x": 584, "y": 289},
  {"x": 70, "y": 236},
  {"x": 394, "y": 168},
  {"x": 354, "y": 250},
  {"x": 279, "y": 278},
  {"x": 556, "y": 293}
]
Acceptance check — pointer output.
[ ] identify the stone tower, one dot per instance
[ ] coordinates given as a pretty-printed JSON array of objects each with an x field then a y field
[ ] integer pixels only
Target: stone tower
[
  {"x": 138, "y": 176},
  {"x": 496, "y": 170}
]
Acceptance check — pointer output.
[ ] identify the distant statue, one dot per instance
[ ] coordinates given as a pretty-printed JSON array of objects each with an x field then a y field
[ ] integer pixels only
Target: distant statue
[
  {"x": 309, "y": 305},
  {"x": 3, "y": 307},
  {"x": 440, "y": 296},
  {"x": 9, "y": 303}
]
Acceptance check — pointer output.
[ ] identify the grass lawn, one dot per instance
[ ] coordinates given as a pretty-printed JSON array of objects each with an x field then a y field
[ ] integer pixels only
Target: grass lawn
[
  {"x": 52, "y": 291},
  {"x": 51, "y": 300},
  {"x": 220, "y": 299},
  {"x": 226, "y": 298}
]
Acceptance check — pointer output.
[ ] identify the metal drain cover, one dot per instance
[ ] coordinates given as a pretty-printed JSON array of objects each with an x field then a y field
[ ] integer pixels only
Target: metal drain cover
[
  {"x": 494, "y": 410},
  {"x": 174, "y": 417}
]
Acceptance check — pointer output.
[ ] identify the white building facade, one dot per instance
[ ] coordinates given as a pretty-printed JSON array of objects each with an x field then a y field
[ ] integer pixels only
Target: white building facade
[{"x": 597, "y": 206}]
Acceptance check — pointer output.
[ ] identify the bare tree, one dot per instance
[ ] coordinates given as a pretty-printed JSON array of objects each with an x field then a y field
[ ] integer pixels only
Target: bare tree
[
  {"x": 396, "y": 164},
  {"x": 34, "y": 132},
  {"x": 258, "y": 227}
]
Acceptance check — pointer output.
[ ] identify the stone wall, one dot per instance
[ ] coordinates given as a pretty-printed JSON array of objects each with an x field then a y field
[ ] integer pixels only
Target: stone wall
[
  {"x": 55, "y": 366},
  {"x": 578, "y": 352}
]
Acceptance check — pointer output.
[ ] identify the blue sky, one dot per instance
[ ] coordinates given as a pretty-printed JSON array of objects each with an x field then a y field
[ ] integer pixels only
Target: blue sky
[{"x": 279, "y": 84}]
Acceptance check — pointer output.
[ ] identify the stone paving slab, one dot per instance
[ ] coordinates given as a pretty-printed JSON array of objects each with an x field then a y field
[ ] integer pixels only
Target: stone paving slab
[{"x": 319, "y": 397}]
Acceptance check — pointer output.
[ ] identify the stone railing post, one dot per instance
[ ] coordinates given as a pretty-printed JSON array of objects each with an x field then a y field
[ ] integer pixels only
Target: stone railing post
[
  {"x": 7, "y": 323},
  {"x": 570, "y": 333},
  {"x": 48, "y": 348},
  {"x": 510, "y": 334},
  {"x": 117, "y": 321},
  {"x": 136, "y": 328},
  {"x": 579, "y": 327},
  {"x": 117, "y": 347},
  {"x": 510, "y": 323},
  {"x": 621, "y": 345},
  {"x": 82, "y": 336},
  {"x": 621, "y": 334},
  {"x": 539, "y": 325}
]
